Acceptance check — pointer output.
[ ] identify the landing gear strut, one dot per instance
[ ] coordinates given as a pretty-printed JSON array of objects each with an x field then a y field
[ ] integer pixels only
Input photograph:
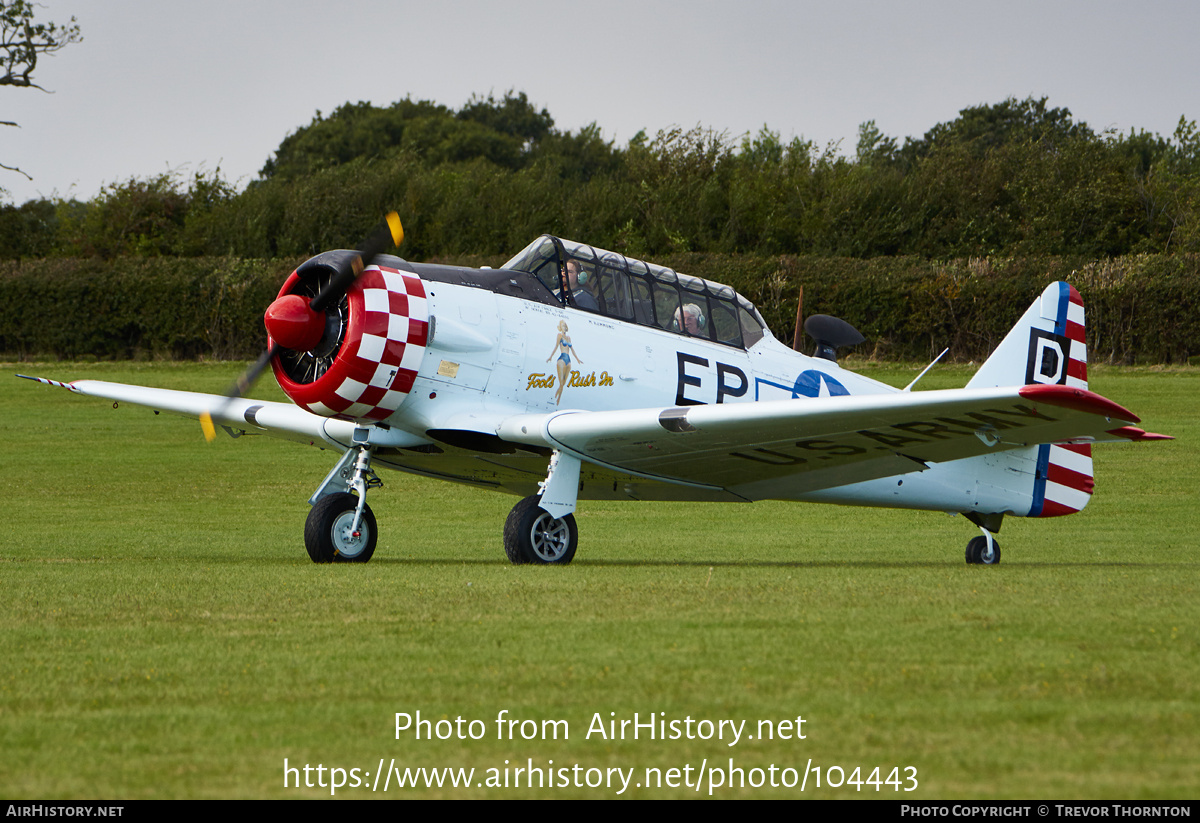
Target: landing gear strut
[{"x": 341, "y": 527}]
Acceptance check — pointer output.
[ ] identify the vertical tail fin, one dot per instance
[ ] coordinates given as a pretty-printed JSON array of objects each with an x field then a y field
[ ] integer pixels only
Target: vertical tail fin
[{"x": 1048, "y": 345}]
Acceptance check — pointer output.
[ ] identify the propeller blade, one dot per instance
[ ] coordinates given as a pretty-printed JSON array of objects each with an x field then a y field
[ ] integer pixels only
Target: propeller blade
[
  {"x": 240, "y": 387},
  {"x": 391, "y": 233}
]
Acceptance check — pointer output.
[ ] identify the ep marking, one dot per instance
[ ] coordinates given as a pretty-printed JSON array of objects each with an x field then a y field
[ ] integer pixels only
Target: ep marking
[{"x": 730, "y": 381}]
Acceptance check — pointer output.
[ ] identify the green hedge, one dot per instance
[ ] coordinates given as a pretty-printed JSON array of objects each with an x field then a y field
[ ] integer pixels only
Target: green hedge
[
  {"x": 135, "y": 308},
  {"x": 1141, "y": 308}
]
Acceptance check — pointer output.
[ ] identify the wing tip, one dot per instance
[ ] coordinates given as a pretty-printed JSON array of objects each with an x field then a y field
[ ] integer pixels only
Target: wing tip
[{"x": 48, "y": 382}]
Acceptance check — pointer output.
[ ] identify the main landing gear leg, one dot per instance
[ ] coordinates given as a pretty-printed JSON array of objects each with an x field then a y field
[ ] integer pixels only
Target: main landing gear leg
[
  {"x": 541, "y": 528},
  {"x": 341, "y": 527},
  {"x": 985, "y": 550}
]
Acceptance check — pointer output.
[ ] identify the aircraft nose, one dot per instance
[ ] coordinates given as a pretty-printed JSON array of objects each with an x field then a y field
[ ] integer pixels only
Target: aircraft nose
[{"x": 293, "y": 324}]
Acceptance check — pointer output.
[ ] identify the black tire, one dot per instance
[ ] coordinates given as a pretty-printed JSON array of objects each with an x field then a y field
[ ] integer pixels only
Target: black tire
[
  {"x": 326, "y": 531},
  {"x": 531, "y": 535},
  {"x": 977, "y": 552}
]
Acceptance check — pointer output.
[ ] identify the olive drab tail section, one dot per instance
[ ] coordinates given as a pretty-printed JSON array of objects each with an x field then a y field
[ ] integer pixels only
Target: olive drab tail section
[{"x": 1048, "y": 346}]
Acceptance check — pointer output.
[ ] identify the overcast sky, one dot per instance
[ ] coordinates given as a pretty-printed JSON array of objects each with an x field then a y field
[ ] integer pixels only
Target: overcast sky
[{"x": 160, "y": 85}]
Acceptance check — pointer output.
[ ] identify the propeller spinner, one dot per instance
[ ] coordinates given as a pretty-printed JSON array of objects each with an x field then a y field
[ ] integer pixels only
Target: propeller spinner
[{"x": 292, "y": 323}]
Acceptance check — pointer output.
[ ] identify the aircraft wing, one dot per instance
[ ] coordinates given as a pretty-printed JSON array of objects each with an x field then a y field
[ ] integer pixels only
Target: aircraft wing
[
  {"x": 236, "y": 415},
  {"x": 751, "y": 448}
]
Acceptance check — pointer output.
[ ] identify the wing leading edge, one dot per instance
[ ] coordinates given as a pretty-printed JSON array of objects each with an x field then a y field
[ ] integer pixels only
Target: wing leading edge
[{"x": 236, "y": 415}]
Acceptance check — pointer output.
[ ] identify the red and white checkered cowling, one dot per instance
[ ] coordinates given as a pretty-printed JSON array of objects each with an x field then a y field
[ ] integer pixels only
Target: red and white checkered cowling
[{"x": 387, "y": 329}]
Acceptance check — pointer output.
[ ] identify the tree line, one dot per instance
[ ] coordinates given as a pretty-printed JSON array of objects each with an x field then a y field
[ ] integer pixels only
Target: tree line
[{"x": 1015, "y": 178}]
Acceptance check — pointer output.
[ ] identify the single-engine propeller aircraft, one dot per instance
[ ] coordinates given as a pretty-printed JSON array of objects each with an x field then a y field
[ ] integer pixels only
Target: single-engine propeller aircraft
[{"x": 573, "y": 373}]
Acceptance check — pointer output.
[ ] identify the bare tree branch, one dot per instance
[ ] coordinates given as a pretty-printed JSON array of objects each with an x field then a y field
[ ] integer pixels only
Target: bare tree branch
[
  {"x": 14, "y": 168},
  {"x": 21, "y": 41}
]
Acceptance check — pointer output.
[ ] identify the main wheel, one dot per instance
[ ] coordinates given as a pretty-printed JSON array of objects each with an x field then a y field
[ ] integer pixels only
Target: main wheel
[
  {"x": 531, "y": 535},
  {"x": 327, "y": 534},
  {"x": 977, "y": 551}
]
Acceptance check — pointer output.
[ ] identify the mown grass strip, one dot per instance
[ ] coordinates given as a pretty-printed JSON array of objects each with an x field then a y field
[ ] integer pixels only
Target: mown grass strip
[{"x": 166, "y": 636}]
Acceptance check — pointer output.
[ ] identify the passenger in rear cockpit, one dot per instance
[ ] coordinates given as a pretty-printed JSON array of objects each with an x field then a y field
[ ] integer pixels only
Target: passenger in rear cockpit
[{"x": 692, "y": 322}]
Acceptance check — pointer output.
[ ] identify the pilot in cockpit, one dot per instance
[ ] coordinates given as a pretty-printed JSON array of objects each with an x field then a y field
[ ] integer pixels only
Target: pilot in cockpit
[
  {"x": 692, "y": 321},
  {"x": 576, "y": 278}
]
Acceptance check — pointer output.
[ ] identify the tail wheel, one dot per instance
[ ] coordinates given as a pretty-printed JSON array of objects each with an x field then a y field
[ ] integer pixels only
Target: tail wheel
[
  {"x": 329, "y": 533},
  {"x": 979, "y": 552},
  {"x": 532, "y": 535}
]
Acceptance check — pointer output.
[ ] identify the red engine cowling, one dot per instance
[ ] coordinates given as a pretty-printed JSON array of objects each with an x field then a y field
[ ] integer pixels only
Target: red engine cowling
[{"x": 370, "y": 343}]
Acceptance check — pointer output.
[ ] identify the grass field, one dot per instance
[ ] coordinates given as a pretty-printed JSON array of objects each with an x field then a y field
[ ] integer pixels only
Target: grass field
[{"x": 165, "y": 635}]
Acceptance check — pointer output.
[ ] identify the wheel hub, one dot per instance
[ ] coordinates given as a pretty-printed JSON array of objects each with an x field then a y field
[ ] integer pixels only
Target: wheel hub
[
  {"x": 347, "y": 541},
  {"x": 549, "y": 537}
]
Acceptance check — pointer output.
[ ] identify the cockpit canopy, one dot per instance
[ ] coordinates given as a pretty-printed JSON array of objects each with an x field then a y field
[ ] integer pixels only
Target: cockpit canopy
[{"x": 611, "y": 284}]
